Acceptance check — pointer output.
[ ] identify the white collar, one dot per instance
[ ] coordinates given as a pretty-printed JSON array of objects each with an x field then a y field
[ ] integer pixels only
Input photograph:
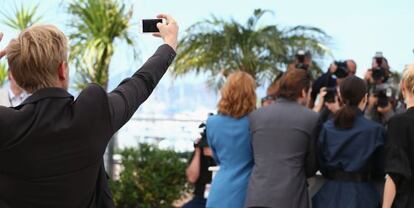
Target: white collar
[{"x": 17, "y": 99}]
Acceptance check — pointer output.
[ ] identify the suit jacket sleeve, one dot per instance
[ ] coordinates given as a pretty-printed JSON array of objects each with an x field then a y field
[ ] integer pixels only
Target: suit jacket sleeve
[
  {"x": 397, "y": 159},
  {"x": 132, "y": 92}
]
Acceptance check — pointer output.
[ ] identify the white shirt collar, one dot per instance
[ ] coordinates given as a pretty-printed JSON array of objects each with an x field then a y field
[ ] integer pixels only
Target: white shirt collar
[{"x": 16, "y": 100}]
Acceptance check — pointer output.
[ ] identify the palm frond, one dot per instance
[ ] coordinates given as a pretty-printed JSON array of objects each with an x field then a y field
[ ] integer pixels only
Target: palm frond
[
  {"x": 3, "y": 73},
  {"x": 216, "y": 45},
  {"x": 22, "y": 17},
  {"x": 96, "y": 25}
]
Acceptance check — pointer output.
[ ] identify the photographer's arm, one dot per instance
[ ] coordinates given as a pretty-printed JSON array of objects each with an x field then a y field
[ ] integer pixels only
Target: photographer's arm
[
  {"x": 132, "y": 92},
  {"x": 321, "y": 100},
  {"x": 193, "y": 170}
]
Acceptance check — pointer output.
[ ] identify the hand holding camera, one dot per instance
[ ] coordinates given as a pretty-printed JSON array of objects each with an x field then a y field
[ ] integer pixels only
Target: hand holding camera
[
  {"x": 331, "y": 99},
  {"x": 328, "y": 98},
  {"x": 386, "y": 109},
  {"x": 381, "y": 92},
  {"x": 333, "y": 106},
  {"x": 321, "y": 100},
  {"x": 303, "y": 60},
  {"x": 168, "y": 31},
  {"x": 339, "y": 69},
  {"x": 379, "y": 72}
]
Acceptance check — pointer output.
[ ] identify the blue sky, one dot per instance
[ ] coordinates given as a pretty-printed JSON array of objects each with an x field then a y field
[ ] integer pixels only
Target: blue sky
[{"x": 358, "y": 28}]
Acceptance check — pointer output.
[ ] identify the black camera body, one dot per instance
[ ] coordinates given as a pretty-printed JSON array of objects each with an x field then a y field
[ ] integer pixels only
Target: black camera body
[
  {"x": 203, "y": 141},
  {"x": 379, "y": 72},
  {"x": 330, "y": 94},
  {"x": 342, "y": 70},
  {"x": 300, "y": 57},
  {"x": 384, "y": 94}
]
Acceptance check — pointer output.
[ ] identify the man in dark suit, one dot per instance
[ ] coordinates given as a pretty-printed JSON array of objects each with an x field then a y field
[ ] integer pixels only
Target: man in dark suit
[
  {"x": 283, "y": 140},
  {"x": 51, "y": 146}
]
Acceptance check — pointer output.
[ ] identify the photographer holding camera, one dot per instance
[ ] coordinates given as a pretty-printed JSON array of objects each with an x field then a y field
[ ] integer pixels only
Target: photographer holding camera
[
  {"x": 382, "y": 95},
  {"x": 329, "y": 80},
  {"x": 303, "y": 60},
  {"x": 197, "y": 172},
  {"x": 324, "y": 89}
]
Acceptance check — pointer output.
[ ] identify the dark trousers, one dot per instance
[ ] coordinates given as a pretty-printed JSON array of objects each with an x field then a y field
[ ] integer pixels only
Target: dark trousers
[{"x": 196, "y": 202}]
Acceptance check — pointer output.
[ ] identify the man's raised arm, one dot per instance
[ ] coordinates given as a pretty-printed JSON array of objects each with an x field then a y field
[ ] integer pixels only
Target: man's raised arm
[{"x": 132, "y": 92}]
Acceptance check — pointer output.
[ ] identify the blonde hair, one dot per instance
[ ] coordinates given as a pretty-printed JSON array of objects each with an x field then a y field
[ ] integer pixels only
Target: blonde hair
[
  {"x": 238, "y": 95},
  {"x": 35, "y": 56},
  {"x": 408, "y": 78}
]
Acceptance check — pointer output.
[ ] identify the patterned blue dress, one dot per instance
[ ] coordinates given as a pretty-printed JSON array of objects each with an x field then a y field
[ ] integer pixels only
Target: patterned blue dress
[{"x": 230, "y": 141}]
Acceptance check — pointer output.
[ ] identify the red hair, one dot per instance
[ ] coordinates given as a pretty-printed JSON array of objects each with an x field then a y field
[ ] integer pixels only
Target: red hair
[{"x": 238, "y": 95}]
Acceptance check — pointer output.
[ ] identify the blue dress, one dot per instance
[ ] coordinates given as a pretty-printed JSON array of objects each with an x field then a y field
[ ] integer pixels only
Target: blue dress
[
  {"x": 230, "y": 141},
  {"x": 355, "y": 150}
]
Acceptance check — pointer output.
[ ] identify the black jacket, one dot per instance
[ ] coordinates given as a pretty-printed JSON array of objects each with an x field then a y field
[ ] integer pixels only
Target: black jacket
[{"x": 52, "y": 146}]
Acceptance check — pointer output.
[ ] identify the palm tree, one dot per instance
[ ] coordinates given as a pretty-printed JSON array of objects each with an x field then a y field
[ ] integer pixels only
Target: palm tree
[
  {"x": 22, "y": 17},
  {"x": 19, "y": 19},
  {"x": 3, "y": 73},
  {"x": 96, "y": 25},
  {"x": 218, "y": 47}
]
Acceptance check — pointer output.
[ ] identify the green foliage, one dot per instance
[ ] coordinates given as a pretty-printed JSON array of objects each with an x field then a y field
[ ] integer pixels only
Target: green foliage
[
  {"x": 3, "y": 73},
  {"x": 95, "y": 26},
  {"x": 22, "y": 17},
  {"x": 19, "y": 19},
  {"x": 151, "y": 178},
  {"x": 218, "y": 46}
]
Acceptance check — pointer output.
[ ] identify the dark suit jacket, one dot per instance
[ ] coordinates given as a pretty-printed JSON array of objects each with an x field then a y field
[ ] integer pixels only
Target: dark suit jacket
[
  {"x": 51, "y": 146},
  {"x": 283, "y": 140}
]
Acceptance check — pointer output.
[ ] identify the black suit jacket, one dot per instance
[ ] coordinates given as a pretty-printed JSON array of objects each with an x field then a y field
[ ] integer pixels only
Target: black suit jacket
[{"x": 51, "y": 146}]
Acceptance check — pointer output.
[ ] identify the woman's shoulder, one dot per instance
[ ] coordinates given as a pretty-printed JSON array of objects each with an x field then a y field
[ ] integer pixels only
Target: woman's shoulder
[
  {"x": 361, "y": 124},
  {"x": 401, "y": 121},
  {"x": 212, "y": 120},
  {"x": 218, "y": 118},
  {"x": 367, "y": 123},
  {"x": 401, "y": 117}
]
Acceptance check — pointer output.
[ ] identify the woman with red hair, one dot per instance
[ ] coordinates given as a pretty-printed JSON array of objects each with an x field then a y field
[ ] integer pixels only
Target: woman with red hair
[{"x": 229, "y": 137}]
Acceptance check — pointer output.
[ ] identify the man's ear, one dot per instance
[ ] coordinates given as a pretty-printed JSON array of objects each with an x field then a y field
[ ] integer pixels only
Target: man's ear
[
  {"x": 9, "y": 75},
  {"x": 402, "y": 88},
  {"x": 63, "y": 71}
]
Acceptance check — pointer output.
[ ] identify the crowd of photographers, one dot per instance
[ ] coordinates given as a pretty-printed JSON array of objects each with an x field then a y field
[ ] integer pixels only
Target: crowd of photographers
[
  {"x": 383, "y": 98},
  {"x": 334, "y": 126}
]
